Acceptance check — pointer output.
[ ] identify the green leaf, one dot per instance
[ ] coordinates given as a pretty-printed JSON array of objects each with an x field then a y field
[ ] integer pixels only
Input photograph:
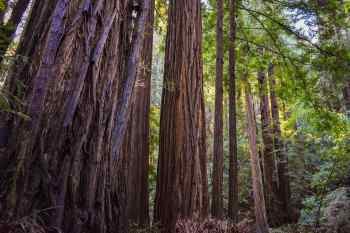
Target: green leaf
[{"x": 347, "y": 7}]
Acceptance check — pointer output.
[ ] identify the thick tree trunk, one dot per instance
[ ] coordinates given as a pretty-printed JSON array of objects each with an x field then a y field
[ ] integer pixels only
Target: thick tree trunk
[
  {"x": 268, "y": 156},
  {"x": 258, "y": 192},
  {"x": 282, "y": 164},
  {"x": 233, "y": 164},
  {"x": 180, "y": 187},
  {"x": 18, "y": 81},
  {"x": 62, "y": 162},
  {"x": 137, "y": 141},
  {"x": 133, "y": 64},
  {"x": 218, "y": 156}
]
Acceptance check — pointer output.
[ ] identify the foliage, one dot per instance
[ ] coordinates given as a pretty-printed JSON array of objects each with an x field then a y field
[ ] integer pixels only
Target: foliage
[
  {"x": 310, "y": 47},
  {"x": 2, "y": 5},
  {"x": 5, "y": 37},
  {"x": 309, "y": 212},
  {"x": 154, "y": 142},
  {"x": 329, "y": 211},
  {"x": 311, "y": 67}
]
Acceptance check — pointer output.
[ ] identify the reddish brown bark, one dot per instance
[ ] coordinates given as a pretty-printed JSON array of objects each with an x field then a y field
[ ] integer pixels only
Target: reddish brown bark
[
  {"x": 268, "y": 156},
  {"x": 124, "y": 100},
  {"x": 62, "y": 161},
  {"x": 281, "y": 156},
  {"x": 204, "y": 159},
  {"x": 258, "y": 192},
  {"x": 218, "y": 151},
  {"x": 180, "y": 186},
  {"x": 137, "y": 141},
  {"x": 233, "y": 164},
  {"x": 21, "y": 72}
]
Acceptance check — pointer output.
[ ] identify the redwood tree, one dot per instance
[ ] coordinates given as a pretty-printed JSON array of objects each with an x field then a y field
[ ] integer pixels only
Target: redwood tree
[
  {"x": 180, "y": 189},
  {"x": 281, "y": 156},
  {"x": 61, "y": 164},
  {"x": 137, "y": 140},
  {"x": 218, "y": 157},
  {"x": 258, "y": 190},
  {"x": 268, "y": 156},
  {"x": 233, "y": 168}
]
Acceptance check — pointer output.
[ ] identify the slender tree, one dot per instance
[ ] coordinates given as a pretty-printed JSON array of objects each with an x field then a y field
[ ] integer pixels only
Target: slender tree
[
  {"x": 268, "y": 156},
  {"x": 258, "y": 191},
  {"x": 180, "y": 189},
  {"x": 218, "y": 157},
  {"x": 204, "y": 160},
  {"x": 137, "y": 141},
  {"x": 63, "y": 161},
  {"x": 282, "y": 159},
  {"x": 233, "y": 162}
]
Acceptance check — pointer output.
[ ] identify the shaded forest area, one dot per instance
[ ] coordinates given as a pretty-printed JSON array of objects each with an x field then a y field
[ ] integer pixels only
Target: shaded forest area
[{"x": 156, "y": 116}]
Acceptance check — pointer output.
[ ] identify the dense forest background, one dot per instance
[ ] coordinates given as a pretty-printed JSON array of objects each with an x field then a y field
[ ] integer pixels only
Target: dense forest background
[{"x": 175, "y": 116}]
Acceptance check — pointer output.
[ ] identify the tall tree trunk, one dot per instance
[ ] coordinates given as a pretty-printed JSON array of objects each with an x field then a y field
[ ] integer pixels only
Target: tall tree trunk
[
  {"x": 282, "y": 164},
  {"x": 258, "y": 192},
  {"x": 133, "y": 64},
  {"x": 18, "y": 80},
  {"x": 204, "y": 158},
  {"x": 268, "y": 156},
  {"x": 180, "y": 187},
  {"x": 137, "y": 141},
  {"x": 62, "y": 162},
  {"x": 218, "y": 157},
  {"x": 233, "y": 164}
]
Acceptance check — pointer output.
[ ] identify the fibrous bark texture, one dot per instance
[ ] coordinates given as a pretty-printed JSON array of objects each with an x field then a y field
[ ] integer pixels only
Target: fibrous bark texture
[
  {"x": 218, "y": 151},
  {"x": 233, "y": 166},
  {"x": 181, "y": 190},
  {"x": 258, "y": 191},
  {"x": 281, "y": 156},
  {"x": 137, "y": 141},
  {"x": 61, "y": 166},
  {"x": 268, "y": 156}
]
